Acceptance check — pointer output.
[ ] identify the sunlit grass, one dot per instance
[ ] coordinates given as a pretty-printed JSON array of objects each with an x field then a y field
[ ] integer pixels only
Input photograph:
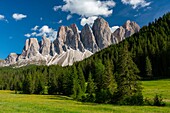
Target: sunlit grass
[{"x": 11, "y": 102}]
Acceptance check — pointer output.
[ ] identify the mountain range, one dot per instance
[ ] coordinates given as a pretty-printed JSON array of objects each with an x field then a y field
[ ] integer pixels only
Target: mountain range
[{"x": 70, "y": 45}]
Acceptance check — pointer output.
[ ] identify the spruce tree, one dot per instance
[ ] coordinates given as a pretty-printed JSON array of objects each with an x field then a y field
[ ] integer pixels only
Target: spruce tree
[
  {"x": 90, "y": 89},
  {"x": 90, "y": 85},
  {"x": 81, "y": 79},
  {"x": 127, "y": 79},
  {"x": 148, "y": 67}
]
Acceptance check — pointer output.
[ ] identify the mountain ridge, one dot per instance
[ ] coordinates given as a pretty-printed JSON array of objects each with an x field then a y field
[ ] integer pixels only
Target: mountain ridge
[{"x": 70, "y": 45}]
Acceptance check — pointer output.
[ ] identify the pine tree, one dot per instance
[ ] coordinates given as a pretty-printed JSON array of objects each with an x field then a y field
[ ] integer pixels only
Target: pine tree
[
  {"x": 90, "y": 85},
  {"x": 127, "y": 79},
  {"x": 90, "y": 89},
  {"x": 77, "y": 91},
  {"x": 81, "y": 79},
  {"x": 109, "y": 78},
  {"x": 148, "y": 67},
  {"x": 28, "y": 87},
  {"x": 99, "y": 74}
]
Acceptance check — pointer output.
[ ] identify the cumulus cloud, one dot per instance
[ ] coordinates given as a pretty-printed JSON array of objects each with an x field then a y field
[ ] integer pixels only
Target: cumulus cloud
[
  {"x": 136, "y": 3},
  {"x": 17, "y": 16},
  {"x": 88, "y": 8},
  {"x": 27, "y": 35},
  {"x": 43, "y": 31},
  {"x": 114, "y": 28},
  {"x": 60, "y": 21},
  {"x": 35, "y": 28},
  {"x": 69, "y": 17},
  {"x": 56, "y": 8},
  {"x": 2, "y": 17},
  {"x": 89, "y": 20}
]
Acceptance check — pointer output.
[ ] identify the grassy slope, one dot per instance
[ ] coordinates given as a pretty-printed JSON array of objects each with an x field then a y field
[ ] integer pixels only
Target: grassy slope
[{"x": 10, "y": 102}]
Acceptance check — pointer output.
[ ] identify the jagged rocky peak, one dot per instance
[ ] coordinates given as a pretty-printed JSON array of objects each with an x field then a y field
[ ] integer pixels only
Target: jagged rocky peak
[
  {"x": 68, "y": 37},
  {"x": 102, "y": 33},
  {"x": 31, "y": 48},
  {"x": 119, "y": 34},
  {"x": 11, "y": 59},
  {"x": 131, "y": 28},
  {"x": 71, "y": 45},
  {"x": 88, "y": 39},
  {"x": 45, "y": 46},
  {"x": 128, "y": 29}
]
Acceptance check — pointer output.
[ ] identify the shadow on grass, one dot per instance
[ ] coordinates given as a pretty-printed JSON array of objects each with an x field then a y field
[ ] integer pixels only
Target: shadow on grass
[{"x": 60, "y": 97}]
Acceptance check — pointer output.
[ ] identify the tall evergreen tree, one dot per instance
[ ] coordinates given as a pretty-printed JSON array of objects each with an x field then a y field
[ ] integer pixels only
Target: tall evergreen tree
[
  {"x": 81, "y": 79},
  {"x": 90, "y": 85},
  {"x": 127, "y": 78},
  {"x": 148, "y": 67},
  {"x": 90, "y": 89}
]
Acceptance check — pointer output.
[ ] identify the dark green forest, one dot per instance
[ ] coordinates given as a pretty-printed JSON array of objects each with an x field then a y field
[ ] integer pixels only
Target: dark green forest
[{"x": 110, "y": 76}]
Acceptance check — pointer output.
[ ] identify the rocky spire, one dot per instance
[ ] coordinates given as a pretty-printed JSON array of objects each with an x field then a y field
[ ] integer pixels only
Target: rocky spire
[
  {"x": 128, "y": 29},
  {"x": 88, "y": 39},
  {"x": 31, "y": 48},
  {"x": 102, "y": 33},
  {"x": 68, "y": 37},
  {"x": 45, "y": 46}
]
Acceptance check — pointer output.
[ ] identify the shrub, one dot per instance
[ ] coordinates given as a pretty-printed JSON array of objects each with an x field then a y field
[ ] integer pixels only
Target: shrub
[
  {"x": 136, "y": 99},
  {"x": 158, "y": 101}
]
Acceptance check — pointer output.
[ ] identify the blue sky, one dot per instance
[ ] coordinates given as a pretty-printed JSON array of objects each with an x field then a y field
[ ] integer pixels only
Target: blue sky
[{"x": 22, "y": 19}]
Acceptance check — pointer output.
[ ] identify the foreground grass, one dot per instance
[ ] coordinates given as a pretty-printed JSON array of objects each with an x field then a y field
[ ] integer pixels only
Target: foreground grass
[{"x": 10, "y": 102}]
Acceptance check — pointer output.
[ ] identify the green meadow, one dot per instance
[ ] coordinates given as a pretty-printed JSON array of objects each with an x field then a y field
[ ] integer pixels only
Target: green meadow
[{"x": 11, "y": 102}]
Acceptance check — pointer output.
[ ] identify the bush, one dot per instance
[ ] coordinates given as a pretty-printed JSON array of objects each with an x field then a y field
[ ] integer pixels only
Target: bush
[
  {"x": 158, "y": 101},
  {"x": 136, "y": 99}
]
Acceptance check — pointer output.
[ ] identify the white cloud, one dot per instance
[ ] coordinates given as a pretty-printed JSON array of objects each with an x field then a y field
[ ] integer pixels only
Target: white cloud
[
  {"x": 88, "y": 8},
  {"x": 17, "y": 16},
  {"x": 43, "y": 31},
  {"x": 35, "y": 28},
  {"x": 2, "y": 17},
  {"x": 60, "y": 21},
  {"x": 136, "y": 3},
  {"x": 89, "y": 20},
  {"x": 56, "y": 8},
  {"x": 114, "y": 28},
  {"x": 33, "y": 34},
  {"x": 27, "y": 35},
  {"x": 69, "y": 17}
]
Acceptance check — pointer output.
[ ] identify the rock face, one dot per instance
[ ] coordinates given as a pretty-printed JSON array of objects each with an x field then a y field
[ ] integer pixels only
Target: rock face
[
  {"x": 128, "y": 29},
  {"x": 68, "y": 37},
  {"x": 31, "y": 48},
  {"x": 102, "y": 33},
  {"x": 70, "y": 45},
  {"x": 45, "y": 46},
  {"x": 88, "y": 39},
  {"x": 12, "y": 58}
]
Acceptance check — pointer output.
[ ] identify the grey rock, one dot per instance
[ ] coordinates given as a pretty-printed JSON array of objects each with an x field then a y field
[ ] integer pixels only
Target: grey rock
[
  {"x": 68, "y": 37},
  {"x": 31, "y": 48},
  {"x": 88, "y": 39},
  {"x": 128, "y": 29},
  {"x": 45, "y": 46},
  {"x": 102, "y": 33},
  {"x": 119, "y": 34},
  {"x": 11, "y": 59},
  {"x": 131, "y": 28}
]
